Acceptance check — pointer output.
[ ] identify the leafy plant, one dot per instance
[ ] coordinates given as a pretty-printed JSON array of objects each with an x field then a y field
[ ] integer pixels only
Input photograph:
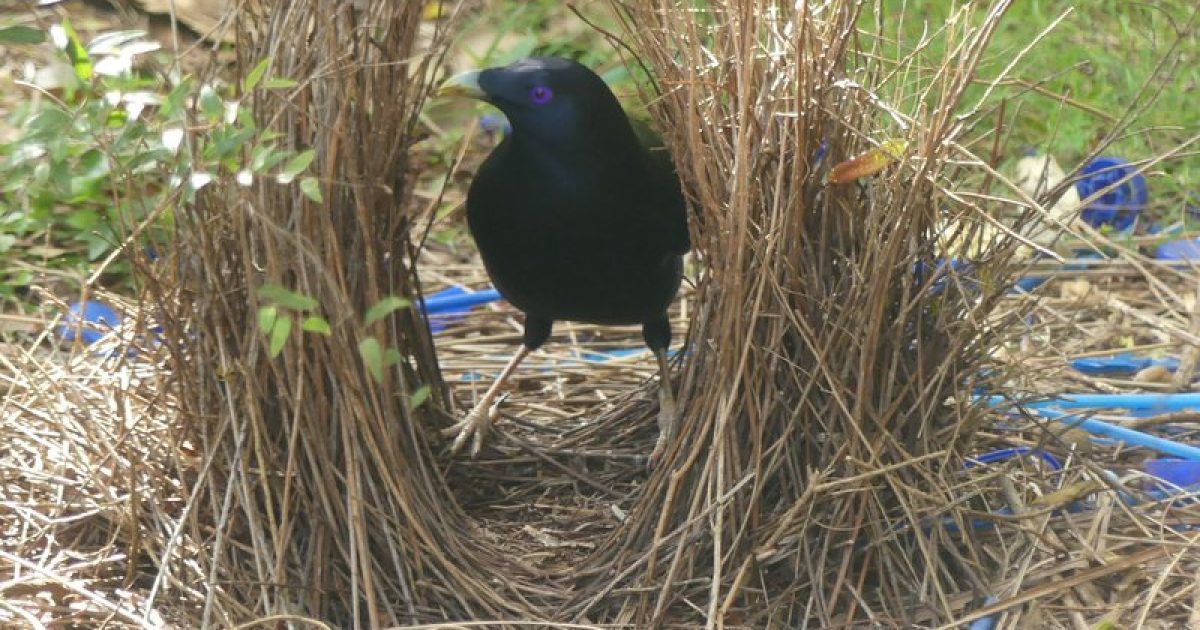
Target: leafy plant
[
  {"x": 284, "y": 307},
  {"x": 276, "y": 318},
  {"x": 99, "y": 162}
]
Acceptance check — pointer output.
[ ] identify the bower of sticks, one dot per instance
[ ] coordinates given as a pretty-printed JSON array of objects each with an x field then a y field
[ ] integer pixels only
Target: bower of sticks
[{"x": 829, "y": 376}]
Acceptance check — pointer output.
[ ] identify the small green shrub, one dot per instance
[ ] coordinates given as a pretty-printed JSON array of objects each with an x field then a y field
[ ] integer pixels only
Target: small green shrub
[{"x": 98, "y": 164}]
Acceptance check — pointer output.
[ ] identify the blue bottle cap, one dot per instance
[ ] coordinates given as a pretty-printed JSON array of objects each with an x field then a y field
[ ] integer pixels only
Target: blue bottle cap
[
  {"x": 96, "y": 318},
  {"x": 1183, "y": 249},
  {"x": 1120, "y": 206}
]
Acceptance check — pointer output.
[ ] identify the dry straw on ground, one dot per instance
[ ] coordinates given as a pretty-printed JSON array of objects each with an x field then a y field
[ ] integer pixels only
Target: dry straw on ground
[{"x": 818, "y": 479}]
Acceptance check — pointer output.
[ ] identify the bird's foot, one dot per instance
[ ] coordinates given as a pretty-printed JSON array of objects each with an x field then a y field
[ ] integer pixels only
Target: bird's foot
[
  {"x": 666, "y": 426},
  {"x": 474, "y": 427}
]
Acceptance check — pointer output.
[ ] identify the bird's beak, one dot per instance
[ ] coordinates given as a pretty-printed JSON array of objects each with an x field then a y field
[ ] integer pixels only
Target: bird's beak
[{"x": 464, "y": 84}]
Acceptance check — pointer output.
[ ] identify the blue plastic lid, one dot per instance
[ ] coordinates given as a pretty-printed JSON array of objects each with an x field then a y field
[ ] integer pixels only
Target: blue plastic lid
[
  {"x": 1180, "y": 472},
  {"x": 1120, "y": 206},
  {"x": 96, "y": 318},
  {"x": 1183, "y": 249}
]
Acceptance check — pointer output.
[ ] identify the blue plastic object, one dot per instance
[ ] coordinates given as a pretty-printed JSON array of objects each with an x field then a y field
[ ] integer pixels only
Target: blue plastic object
[
  {"x": 1148, "y": 402},
  {"x": 819, "y": 155},
  {"x": 458, "y": 300},
  {"x": 1120, "y": 206},
  {"x": 90, "y": 319},
  {"x": 1029, "y": 283},
  {"x": 957, "y": 272},
  {"x": 989, "y": 622},
  {"x": 1060, "y": 409},
  {"x": 1009, "y": 453},
  {"x": 1187, "y": 249},
  {"x": 449, "y": 305},
  {"x": 1177, "y": 472},
  {"x": 1121, "y": 363},
  {"x": 1128, "y": 436}
]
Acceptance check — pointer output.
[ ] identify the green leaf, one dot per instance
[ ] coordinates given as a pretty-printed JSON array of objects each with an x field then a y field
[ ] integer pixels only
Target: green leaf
[
  {"x": 294, "y": 166},
  {"x": 21, "y": 35},
  {"x": 255, "y": 75},
  {"x": 265, "y": 156},
  {"x": 176, "y": 98},
  {"x": 317, "y": 325},
  {"x": 82, "y": 219},
  {"x": 266, "y": 318},
  {"x": 384, "y": 308},
  {"x": 97, "y": 247},
  {"x": 76, "y": 53},
  {"x": 49, "y": 124},
  {"x": 116, "y": 119},
  {"x": 288, "y": 299},
  {"x": 372, "y": 356},
  {"x": 227, "y": 141},
  {"x": 311, "y": 188},
  {"x": 279, "y": 335},
  {"x": 419, "y": 397},
  {"x": 391, "y": 357},
  {"x": 210, "y": 104},
  {"x": 279, "y": 84}
]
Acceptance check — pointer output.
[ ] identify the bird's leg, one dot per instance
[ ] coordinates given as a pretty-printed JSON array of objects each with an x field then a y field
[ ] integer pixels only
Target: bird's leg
[
  {"x": 666, "y": 407},
  {"x": 479, "y": 420}
]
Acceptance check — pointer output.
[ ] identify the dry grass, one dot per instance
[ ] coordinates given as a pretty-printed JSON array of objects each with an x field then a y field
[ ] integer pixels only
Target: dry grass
[
  {"x": 818, "y": 480},
  {"x": 818, "y": 475},
  {"x": 322, "y": 498}
]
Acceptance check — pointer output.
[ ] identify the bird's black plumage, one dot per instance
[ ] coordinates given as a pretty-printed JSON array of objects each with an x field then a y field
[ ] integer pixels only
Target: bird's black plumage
[{"x": 574, "y": 217}]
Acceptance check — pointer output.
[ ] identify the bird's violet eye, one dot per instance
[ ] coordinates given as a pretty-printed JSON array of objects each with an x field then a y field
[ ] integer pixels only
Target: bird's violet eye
[{"x": 540, "y": 95}]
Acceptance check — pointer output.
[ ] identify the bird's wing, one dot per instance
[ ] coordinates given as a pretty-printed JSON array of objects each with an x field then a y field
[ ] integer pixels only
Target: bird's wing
[{"x": 669, "y": 206}]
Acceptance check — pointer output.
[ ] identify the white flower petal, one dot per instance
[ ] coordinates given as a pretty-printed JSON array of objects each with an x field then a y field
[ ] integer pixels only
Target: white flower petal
[
  {"x": 113, "y": 66},
  {"x": 171, "y": 138},
  {"x": 134, "y": 109},
  {"x": 145, "y": 98},
  {"x": 199, "y": 180},
  {"x": 140, "y": 48},
  {"x": 58, "y": 35}
]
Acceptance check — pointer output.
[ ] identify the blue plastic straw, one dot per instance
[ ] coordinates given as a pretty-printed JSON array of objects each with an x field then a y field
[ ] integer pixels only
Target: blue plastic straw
[
  {"x": 1128, "y": 436},
  {"x": 458, "y": 301},
  {"x": 1161, "y": 402},
  {"x": 1009, "y": 453}
]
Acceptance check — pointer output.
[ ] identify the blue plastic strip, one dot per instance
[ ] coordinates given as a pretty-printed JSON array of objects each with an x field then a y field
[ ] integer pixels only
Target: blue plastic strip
[
  {"x": 1009, "y": 453},
  {"x": 1128, "y": 436},
  {"x": 450, "y": 302},
  {"x": 1122, "y": 363},
  {"x": 1160, "y": 402}
]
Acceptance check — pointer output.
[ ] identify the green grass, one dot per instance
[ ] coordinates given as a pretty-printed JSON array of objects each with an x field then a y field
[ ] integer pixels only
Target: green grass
[
  {"x": 1101, "y": 60},
  {"x": 1068, "y": 90}
]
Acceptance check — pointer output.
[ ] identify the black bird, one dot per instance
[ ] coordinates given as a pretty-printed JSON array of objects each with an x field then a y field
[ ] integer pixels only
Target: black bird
[{"x": 575, "y": 217}]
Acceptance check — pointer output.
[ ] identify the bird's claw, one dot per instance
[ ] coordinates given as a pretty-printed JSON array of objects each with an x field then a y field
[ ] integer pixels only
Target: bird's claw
[
  {"x": 660, "y": 447},
  {"x": 474, "y": 427},
  {"x": 666, "y": 427}
]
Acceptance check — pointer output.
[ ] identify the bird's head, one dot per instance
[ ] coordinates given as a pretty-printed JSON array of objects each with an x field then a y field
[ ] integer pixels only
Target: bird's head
[{"x": 552, "y": 99}]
